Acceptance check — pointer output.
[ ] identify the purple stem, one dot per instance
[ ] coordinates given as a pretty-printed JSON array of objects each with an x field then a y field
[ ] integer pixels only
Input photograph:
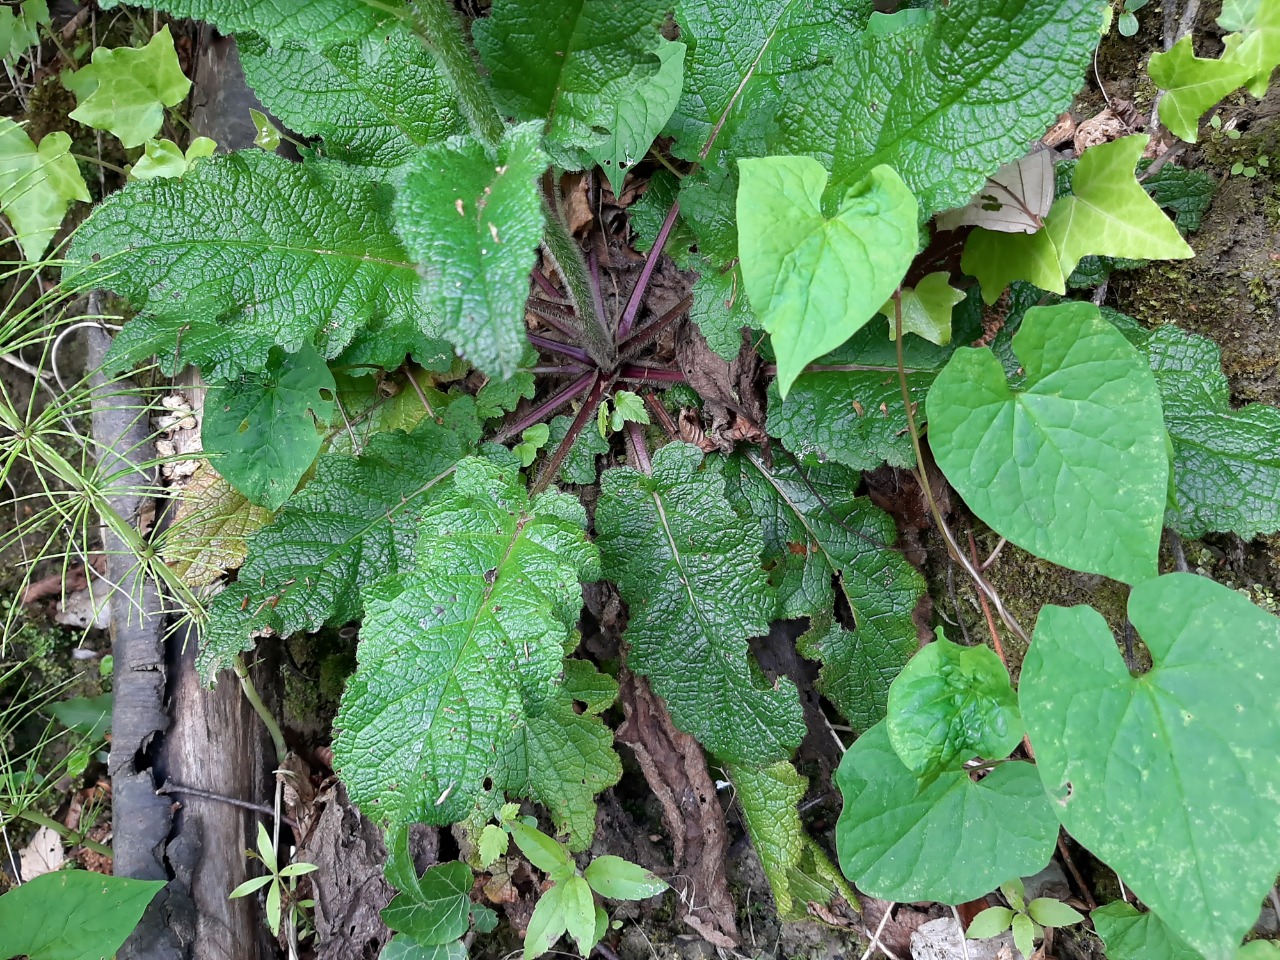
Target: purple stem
[
  {"x": 564, "y": 349},
  {"x": 636, "y": 371},
  {"x": 642, "y": 283},
  {"x": 546, "y": 408},
  {"x": 647, "y": 335},
  {"x": 547, "y": 286},
  {"x": 556, "y": 317},
  {"x": 635, "y": 438},
  {"x": 598, "y": 387},
  {"x": 552, "y": 370}
]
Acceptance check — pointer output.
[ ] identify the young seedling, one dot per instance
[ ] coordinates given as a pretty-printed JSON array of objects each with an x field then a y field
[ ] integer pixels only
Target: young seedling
[
  {"x": 1028, "y": 920},
  {"x": 281, "y": 882}
]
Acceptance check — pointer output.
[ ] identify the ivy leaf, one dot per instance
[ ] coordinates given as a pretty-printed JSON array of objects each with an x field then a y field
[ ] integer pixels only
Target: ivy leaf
[
  {"x": 373, "y": 99},
  {"x": 402, "y": 947},
  {"x": 1256, "y": 43},
  {"x": 597, "y": 73},
  {"x": 1192, "y": 85},
  {"x": 189, "y": 255},
  {"x": 951, "y": 704},
  {"x": 1109, "y": 214},
  {"x": 164, "y": 158},
  {"x": 352, "y": 524},
  {"x": 455, "y": 654},
  {"x": 817, "y": 533},
  {"x": 130, "y": 87},
  {"x": 20, "y": 27},
  {"x": 1226, "y": 468},
  {"x": 316, "y": 21},
  {"x": 1073, "y": 466},
  {"x": 814, "y": 280},
  {"x": 37, "y": 185},
  {"x": 1130, "y": 935},
  {"x": 915, "y": 88},
  {"x": 72, "y": 914},
  {"x": 689, "y": 570},
  {"x": 949, "y": 839},
  {"x": 740, "y": 57},
  {"x": 475, "y": 228},
  {"x": 562, "y": 758},
  {"x": 798, "y": 871},
  {"x": 435, "y": 908},
  {"x": 264, "y": 429},
  {"x": 1192, "y": 737},
  {"x": 926, "y": 309},
  {"x": 997, "y": 259}
]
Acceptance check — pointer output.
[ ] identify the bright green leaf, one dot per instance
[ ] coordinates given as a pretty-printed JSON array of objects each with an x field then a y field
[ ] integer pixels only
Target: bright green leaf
[
  {"x": 20, "y": 27},
  {"x": 493, "y": 844},
  {"x": 250, "y": 886},
  {"x": 627, "y": 408},
  {"x": 950, "y": 704},
  {"x": 689, "y": 570},
  {"x": 37, "y": 185},
  {"x": 579, "y": 908},
  {"x": 436, "y": 907},
  {"x": 267, "y": 135},
  {"x": 944, "y": 97},
  {"x": 991, "y": 922},
  {"x": 474, "y": 228},
  {"x": 813, "y": 280},
  {"x": 1256, "y": 43},
  {"x": 950, "y": 839},
  {"x": 998, "y": 259},
  {"x": 189, "y": 255},
  {"x": 1072, "y": 466},
  {"x": 264, "y": 430},
  {"x": 531, "y": 441},
  {"x": 456, "y": 654},
  {"x": 401, "y": 947},
  {"x": 90, "y": 717},
  {"x": 1024, "y": 934},
  {"x": 617, "y": 879},
  {"x": 1143, "y": 769},
  {"x": 131, "y": 89},
  {"x": 72, "y": 915},
  {"x": 164, "y": 158},
  {"x": 926, "y": 309},
  {"x": 548, "y": 855},
  {"x": 298, "y": 869},
  {"x": 1130, "y": 935},
  {"x": 1052, "y": 913},
  {"x": 1192, "y": 85},
  {"x": 372, "y": 99},
  {"x": 1015, "y": 891},
  {"x": 1108, "y": 213},
  {"x": 547, "y": 925},
  {"x": 316, "y": 21}
]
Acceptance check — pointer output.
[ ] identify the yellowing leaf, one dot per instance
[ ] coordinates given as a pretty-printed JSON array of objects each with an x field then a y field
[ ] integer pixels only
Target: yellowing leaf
[
  {"x": 210, "y": 528},
  {"x": 131, "y": 88},
  {"x": 36, "y": 185}
]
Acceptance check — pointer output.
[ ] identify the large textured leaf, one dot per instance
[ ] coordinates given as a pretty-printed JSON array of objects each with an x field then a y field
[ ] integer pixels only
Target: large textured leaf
[
  {"x": 127, "y": 89},
  {"x": 817, "y": 534},
  {"x": 246, "y": 252},
  {"x": 946, "y": 839},
  {"x": 72, "y": 915},
  {"x": 689, "y": 569},
  {"x": 455, "y": 654},
  {"x": 813, "y": 279},
  {"x": 563, "y": 758},
  {"x": 315, "y": 21},
  {"x": 474, "y": 228},
  {"x": 1226, "y": 463},
  {"x": 37, "y": 185},
  {"x": 372, "y": 99},
  {"x": 352, "y": 524},
  {"x": 1073, "y": 465},
  {"x": 597, "y": 72},
  {"x": 946, "y": 99},
  {"x": 264, "y": 430},
  {"x": 742, "y": 54},
  {"x": 798, "y": 871},
  {"x": 1171, "y": 777}
]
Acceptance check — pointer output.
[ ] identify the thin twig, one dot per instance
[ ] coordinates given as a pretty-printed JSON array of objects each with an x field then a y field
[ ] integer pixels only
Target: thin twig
[
  {"x": 641, "y": 372},
  {"x": 1075, "y": 873},
  {"x": 261, "y": 808},
  {"x": 875, "y": 937}
]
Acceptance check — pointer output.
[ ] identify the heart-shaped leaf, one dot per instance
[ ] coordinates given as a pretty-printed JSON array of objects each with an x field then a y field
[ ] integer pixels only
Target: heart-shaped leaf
[
  {"x": 814, "y": 279},
  {"x": 1171, "y": 777},
  {"x": 1073, "y": 466}
]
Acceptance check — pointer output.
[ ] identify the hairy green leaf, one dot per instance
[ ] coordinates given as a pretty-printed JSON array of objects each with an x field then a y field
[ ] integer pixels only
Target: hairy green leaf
[
  {"x": 1192, "y": 85},
  {"x": 353, "y": 523},
  {"x": 708, "y": 202},
  {"x": 951, "y": 704},
  {"x": 247, "y": 252},
  {"x": 597, "y": 72},
  {"x": 72, "y": 915},
  {"x": 455, "y": 654},
  {"x": 373, "y": 99},
  {"x": 563, "y": 758},
  {"x": 316, "y": 21},
  {"x": 740, "y": 57},
  {"x": 1171, "y": 777},
  {"x": 37, "y": 184},
  {"x": 264, "y": 429},
  {"x": 945, "y": 98},
  {"x": 129, "y": 88},
  {"x": 814, "y": 279},
  {"x": 948, "y": 839},
  {"x": 474, "y": 228},
  {"x": 689, "y": 570},
  {"x": 1073, "y": 465},
  {"x": 1130, "y": 935}
]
